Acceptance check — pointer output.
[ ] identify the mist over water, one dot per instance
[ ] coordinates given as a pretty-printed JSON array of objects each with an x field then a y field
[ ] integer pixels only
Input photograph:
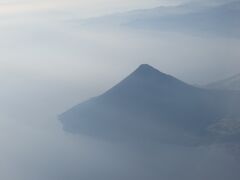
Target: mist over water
[
  {"x": 40, "y": 152},
  {"x": 49, "y": 65}
]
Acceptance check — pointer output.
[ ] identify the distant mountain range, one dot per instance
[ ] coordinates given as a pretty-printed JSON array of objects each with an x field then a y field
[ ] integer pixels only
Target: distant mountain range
[
  {"x": 150, "y": 106},
  {"x": 231, "y": 83},
  {"x": 218, "y": 20}
]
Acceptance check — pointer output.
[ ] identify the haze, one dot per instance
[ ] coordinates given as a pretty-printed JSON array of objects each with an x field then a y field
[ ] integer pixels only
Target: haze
[{"x": 49, "y": 63}]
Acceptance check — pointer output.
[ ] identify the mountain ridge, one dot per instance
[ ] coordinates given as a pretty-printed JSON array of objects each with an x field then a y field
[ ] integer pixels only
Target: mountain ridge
[
  {"x": 230, "y": 83},
  {"x": 194, "y": 19},
  {"x": 150, "y": 105}
]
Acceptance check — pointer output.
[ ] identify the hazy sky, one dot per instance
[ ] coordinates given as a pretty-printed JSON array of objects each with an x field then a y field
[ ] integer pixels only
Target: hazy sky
[{"x": 87, "y": 7}]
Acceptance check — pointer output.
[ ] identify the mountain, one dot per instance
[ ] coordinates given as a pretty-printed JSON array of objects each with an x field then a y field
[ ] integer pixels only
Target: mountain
[
  {"x": 193, "y": 18},
  {"x": 151, "y": 106},
  {"x": 231, "y": 83}
]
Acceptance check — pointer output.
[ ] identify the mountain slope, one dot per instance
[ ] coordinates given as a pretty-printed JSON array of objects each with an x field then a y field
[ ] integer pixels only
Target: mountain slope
[
  {"x": 231, "y": 83},
  {"x": 151, "y": 106}
]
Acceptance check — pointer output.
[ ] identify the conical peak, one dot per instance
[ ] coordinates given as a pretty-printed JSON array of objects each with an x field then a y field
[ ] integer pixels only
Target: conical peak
[
  {"x": 146, "y": 69},
  {"x": 147, "y": 78},
  {"x": 151, "y": 75},
  {"x": 145, "y": 66}
]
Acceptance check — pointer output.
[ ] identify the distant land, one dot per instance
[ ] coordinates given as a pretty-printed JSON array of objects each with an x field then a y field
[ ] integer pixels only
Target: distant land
[
  {"x": 231, "y": 83},
  {"x": 151, "y": 106},
  {"x": 193, "y": 18}
]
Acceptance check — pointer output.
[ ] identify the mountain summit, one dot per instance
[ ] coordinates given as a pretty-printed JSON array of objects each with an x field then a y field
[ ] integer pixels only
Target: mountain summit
[
  {"x": 147, "y": 69},
  {"x": 147, "y": 81},
  {"x": 152, "y": 106}
]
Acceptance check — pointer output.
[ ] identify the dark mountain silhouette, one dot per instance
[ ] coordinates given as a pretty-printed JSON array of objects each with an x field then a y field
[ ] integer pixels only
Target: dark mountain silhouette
[
  {"x": 152, "y": 106},
  {"x": 231, "y": 83}
]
